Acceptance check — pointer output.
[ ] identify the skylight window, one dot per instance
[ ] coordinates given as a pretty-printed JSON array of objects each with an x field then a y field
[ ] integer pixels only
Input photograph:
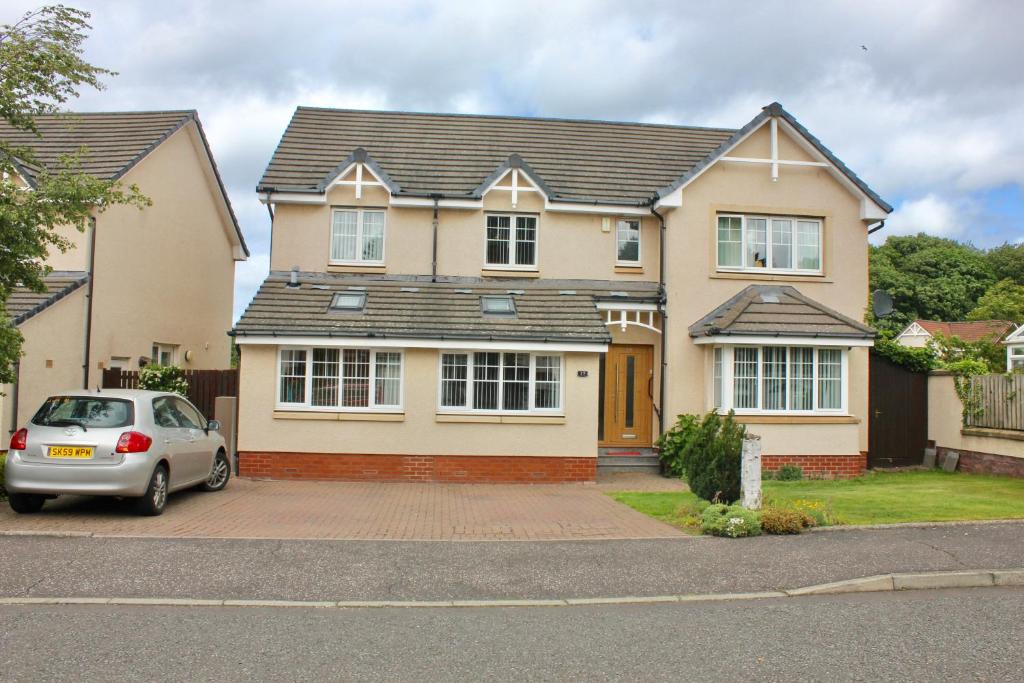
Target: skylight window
[
  {"x": 497, "y": 305},
  {"x": 348, "y": 301}
]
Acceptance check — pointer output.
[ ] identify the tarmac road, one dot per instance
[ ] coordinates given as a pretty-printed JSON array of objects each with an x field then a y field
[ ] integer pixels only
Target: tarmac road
[{"x": 965, "y": 634}]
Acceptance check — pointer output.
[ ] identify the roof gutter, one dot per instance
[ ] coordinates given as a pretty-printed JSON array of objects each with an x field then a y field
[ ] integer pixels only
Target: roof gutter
[
  {"x": 881, "y": 224},
  {"x": 662, "y": 309}
]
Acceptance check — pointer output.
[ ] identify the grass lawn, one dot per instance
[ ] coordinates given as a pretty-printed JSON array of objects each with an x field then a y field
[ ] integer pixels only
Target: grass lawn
[
  {"x": 875, "y": 498},
  {"x": 681, "y": 509}
]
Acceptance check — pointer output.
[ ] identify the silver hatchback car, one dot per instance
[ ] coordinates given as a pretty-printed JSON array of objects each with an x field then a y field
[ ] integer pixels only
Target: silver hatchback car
[{"x": 114, "y": 442}]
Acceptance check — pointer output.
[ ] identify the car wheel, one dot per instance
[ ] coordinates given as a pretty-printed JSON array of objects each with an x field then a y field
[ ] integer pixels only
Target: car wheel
[
  {"x": 25, "y": 503},
  {"x": 155, "y": 499},
  {"x": 220, "y": 473}
]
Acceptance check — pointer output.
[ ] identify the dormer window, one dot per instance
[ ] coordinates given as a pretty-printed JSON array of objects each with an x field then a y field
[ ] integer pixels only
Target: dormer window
[
  {"x": 357, "y": 237},
  {"x": 498, "y": 305},
  {"x": 511, "y": 242},
  {"x": 348, "y": 302}
]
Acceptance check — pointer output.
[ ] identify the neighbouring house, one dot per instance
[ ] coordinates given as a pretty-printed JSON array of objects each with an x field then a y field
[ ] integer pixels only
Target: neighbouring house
[
  {"x": 149, "y": 286},
  {"x": 1015, "y": 350},
  {"x": 919, "y": 332},
  {"x": 495, "y": 298}
]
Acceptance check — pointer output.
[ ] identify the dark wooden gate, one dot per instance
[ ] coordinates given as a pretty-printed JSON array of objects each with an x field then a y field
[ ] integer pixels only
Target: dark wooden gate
[
  {"x": 898, "y": 414},
  {"x": 204, "y": 386}
]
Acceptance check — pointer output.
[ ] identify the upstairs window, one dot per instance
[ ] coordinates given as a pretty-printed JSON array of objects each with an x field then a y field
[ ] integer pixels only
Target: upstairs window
[
  {"x": 770, "y": 243},
  {"x": 627, "y": 238},
  {"x": 357, "y": 237},
  {"x": 511, "y": 241}
]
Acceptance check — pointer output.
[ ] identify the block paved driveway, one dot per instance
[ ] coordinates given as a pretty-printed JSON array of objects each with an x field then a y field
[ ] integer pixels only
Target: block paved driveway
[{"x": 336, "y": 510}]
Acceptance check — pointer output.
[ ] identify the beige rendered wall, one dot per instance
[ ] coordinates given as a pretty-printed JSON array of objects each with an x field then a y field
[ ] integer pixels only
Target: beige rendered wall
[
  {"x": 165, "y": 273},
  {"x": 53, "y": 337},
  {"x": 420, "y": 432},
  {"x": 570, "y": 246},
  {"x": 694, "y": 287},
  {"x": 944, "y": 423}
]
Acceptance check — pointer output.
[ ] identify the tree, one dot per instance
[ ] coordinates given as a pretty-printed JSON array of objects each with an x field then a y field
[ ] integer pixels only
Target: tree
[
  {"x": 929, "y": 277},
  {"x": 1003, "y": 301},
  {"x": 41, "y": 68},
  {"x": 1007, "y": 261}
]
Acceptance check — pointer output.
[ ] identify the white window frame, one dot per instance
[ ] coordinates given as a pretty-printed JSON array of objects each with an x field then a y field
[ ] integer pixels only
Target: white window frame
[
  {"x": 358, "y": 260},
  {"x": 513, "y": 242},
  {"x": 639, "y": 241},
  {"x": 1014, "y": 357},
  {"x": 745, "y": 267},
  {"x": 468, "y": 408},
  {"x": 728, "y": 371},
  {"x": 161, "y": 348},
  {"x": 372, "y": 406}
]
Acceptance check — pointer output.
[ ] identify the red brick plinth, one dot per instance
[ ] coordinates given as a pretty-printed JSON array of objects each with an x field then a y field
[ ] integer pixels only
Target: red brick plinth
[
  {"x": 830, "y": 466},
  {"x": 978, "y": 462},
  {"x": 493, "y": 469}
]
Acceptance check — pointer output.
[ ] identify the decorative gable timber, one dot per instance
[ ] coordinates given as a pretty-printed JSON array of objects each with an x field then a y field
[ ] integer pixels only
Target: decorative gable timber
[
  {"x": 913, "y": 330},
  {"x": 515, "y": 167},
  {"x": 358, "y": 160},
  {"x": 1015, "y": 337},
  {"x": 873, "y": 207}
]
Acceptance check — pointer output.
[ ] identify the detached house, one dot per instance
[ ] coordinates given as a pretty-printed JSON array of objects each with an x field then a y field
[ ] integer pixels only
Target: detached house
[
  {"x": 917, "y": 333},
  {"x": 154, "y": 285},
  {"x": 489, "y": 298}
]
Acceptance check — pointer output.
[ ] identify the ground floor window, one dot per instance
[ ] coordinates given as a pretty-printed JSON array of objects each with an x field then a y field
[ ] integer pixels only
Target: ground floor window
[
  {"x": 345, "y": 379},
  {"x": 501, "y": 381},
  {"x": 779, "y": 379}
]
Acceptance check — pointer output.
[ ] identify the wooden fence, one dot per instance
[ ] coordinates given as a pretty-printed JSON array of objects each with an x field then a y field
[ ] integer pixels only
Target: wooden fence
[
  {"x": 204, "y": 386},
  {"x": 1001, "y": 402}
]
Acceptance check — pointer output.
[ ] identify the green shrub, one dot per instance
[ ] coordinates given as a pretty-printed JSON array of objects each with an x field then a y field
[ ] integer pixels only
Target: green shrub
[
  {"x": 163, "y": 378},
  {"x": 784, "y": 521},
  {"x": 732, "y": 521},
  {"x": 789, "y": 473},
  {"x": 707, "y": 452}
]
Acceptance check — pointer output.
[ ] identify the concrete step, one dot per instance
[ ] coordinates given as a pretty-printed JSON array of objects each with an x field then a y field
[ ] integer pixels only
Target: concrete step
[{"x": 628, "y": 463}]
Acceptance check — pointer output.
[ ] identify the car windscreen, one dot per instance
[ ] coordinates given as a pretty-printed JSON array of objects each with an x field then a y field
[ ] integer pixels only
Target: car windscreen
[{"x": 85, "y": 411}]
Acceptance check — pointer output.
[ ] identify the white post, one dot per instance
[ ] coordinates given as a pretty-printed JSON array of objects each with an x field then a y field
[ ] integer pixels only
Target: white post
[{"x": 750, "y": 473}]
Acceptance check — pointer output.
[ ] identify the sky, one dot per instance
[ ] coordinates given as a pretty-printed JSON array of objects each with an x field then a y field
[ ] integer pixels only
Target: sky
[{"x": 924, "y": 100}]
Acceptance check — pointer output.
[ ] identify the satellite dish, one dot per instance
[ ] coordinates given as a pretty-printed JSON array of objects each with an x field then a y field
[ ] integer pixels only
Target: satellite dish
[{"x": 881, "y": 303}]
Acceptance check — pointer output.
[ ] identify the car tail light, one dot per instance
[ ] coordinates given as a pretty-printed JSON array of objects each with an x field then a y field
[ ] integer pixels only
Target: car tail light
[
  {"x": 19, "y": 441},
  {"x": 133, "y": 442}
]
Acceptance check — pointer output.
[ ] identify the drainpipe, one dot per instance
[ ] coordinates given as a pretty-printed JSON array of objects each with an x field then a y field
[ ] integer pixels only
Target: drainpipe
[
  {"x": 88, "y": 296},
  {"x": 881, "y": 224},
  {"x": 664, "y": 318},
  {"x": 433, "y": 263},
  {"x": 15, "y": 390}
]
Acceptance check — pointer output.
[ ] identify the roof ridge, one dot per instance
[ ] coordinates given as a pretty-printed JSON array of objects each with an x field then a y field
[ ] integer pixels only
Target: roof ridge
[
  {"x": 512, "y": 117},
  {"x": 56, "y": 114}
]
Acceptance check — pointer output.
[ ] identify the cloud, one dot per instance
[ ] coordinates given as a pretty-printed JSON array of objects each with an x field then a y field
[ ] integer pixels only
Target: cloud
[
  {"x": 930, "y": 111},
  {"x": 930, "y": 214}
]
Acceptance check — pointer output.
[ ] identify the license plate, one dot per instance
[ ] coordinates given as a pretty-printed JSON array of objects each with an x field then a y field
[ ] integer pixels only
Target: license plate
[{"x": 70, "y": 452}]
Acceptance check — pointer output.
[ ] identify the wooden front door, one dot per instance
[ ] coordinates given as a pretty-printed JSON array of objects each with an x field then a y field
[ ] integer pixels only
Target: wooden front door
[{"x": 628, "y": 387}]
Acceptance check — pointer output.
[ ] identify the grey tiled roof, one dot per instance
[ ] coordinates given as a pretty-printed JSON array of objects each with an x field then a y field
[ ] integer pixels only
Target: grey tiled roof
[
  {"x": 452, "y": 154},
  {"x": 777, "y": 310},
  {"x": 24, "y": 303},
  {"x": 114, "y": 142},
  {"x": 413, "y": 307}
]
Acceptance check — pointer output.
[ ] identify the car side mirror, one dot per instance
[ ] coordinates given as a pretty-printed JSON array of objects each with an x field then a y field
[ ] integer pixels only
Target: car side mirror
[{"x": 213, "y": 425}]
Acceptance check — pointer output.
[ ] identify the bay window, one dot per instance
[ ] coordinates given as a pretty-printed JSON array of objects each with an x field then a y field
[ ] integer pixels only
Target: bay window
[
  {"x": 357, "y": 237},
  {"x": 495, "y": 381},
  {"x": 772, "y": 243},
  {"x": 779, "y": 379},
  {"x": 511, "y": 241},
  {"x": 340, "y": 379}
]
